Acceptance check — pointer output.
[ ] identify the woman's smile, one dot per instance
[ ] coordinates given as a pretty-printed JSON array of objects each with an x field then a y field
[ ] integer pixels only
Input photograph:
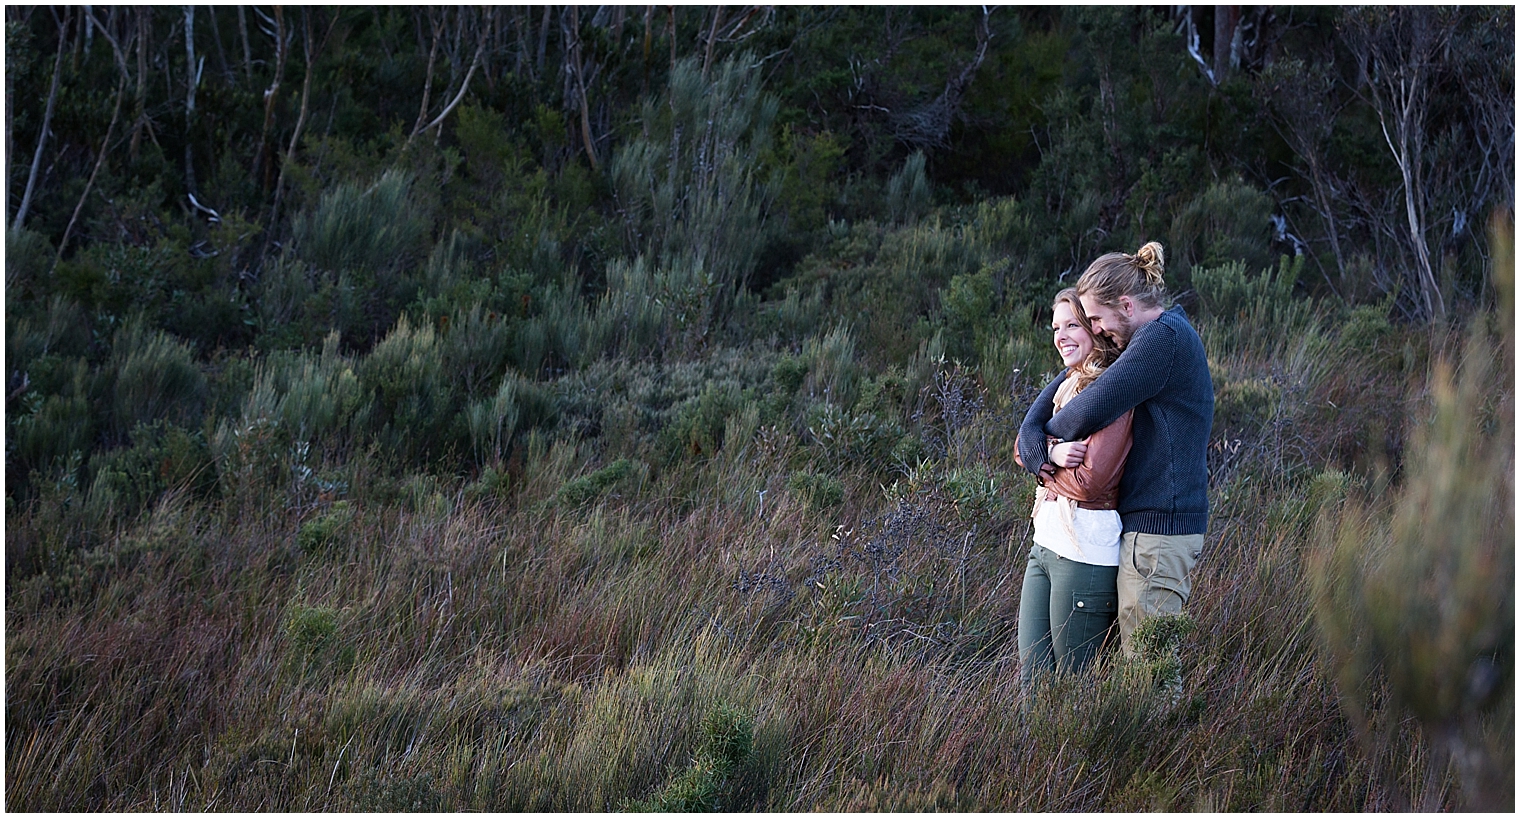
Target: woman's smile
[{"x": 1073, "y": 342}]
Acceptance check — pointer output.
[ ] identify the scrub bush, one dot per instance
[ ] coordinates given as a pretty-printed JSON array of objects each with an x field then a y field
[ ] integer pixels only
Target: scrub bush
[
  {"x": 153, "y": 377},
  {"x": 582, "y": 490},
  {"x": 414, "y": 410}
]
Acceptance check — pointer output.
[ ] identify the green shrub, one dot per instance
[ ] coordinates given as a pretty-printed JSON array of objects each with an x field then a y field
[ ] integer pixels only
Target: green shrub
[
  {"x": 1414, "y": 590},
  {"x": 494, "y": 420},
  {"x": 908, "y": 190},
  {"x": 632, "y": 317},
  {"x": 832, "y": 371},
  {"x": 61, "y": 330},
  {"x": 1245, "y": 406},
  {"x": 1230, "y": 221},
  {"x": 725, "y": 746},
  {"x": 793, "y": 316},
  {"x": 691, "y": 188},
  {"x": 974, "y": 492},
  {"x": 162, "y": 457},
  {"x": 788, "y": 375},
  {"x": 584, "y": 489},
  {"x": 45, "y": 429},
  {"x": 284, "y": 296},
  {"x": 27, "y": 257},
  {"x": 250, "y": 448},
  {"x": 699, "y": 425},
  {"x": 415, "y": 411},
  {"x": 475, "y": 347},
  {"x": 492, "y": 483},
  {"x": 327, "y": 530},
  {"x": 968, "y": 308},
  {"x": 374, "y": 229},
  {"x": 1251, "y": 313},
  {"x": 423, "y": 494},
  {"x": 845, "y": 438},
  {"x": 312, "y": 640},
  {"x": 819, "y": 490},
  {"x": 154, "y": 377},
  {"x": 887, "y": 282},
  {"x": 322, "y": 394},
  {"x": 559, "y": 336}
]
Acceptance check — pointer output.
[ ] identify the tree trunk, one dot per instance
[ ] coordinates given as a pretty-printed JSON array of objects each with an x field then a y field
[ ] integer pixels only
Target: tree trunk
[
  {"x": 427, "y": 83},
  {"x": 672, "y": 38},
  {"x": 221, "y": 51},
  {"x": 1396, "y": 50},
  {"x": 271, "y": 94},
  {"x": 575, "y": 56},
  {"x": 247, "y": 52},
  {"x": 295, "y": 136},
  {"x": 47, "y": 122},
  {"x": 712, "y": 37},
  {"x": 1226, "y": 21},
  {"x": 192, "y": 78},
  {"x": 1322, "y": 196},
  {"x": 463, "y": 86},
  {"x": 520, "y": 64},
  {"x": 140, "y": 118},
  {"x": 543, "y": 42}
]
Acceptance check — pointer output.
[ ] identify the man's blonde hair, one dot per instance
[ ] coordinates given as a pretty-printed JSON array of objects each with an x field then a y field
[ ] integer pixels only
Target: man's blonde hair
[{"x": 1139, "y": 276}]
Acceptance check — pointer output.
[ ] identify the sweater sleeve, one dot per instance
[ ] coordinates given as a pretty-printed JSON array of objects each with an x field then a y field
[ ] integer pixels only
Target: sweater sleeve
[
  {"x": 1139, "y": 374},
  {"x": 1031, "y": 440},
  {"x": 1099, "y": 473}
]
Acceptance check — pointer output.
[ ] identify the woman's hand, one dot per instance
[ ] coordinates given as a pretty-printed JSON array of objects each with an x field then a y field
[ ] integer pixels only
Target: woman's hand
[{"x": 1069, "y": 454}]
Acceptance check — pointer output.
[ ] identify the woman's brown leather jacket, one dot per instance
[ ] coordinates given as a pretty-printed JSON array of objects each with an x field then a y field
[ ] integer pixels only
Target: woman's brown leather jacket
[{"x": 1095, "y": 483}]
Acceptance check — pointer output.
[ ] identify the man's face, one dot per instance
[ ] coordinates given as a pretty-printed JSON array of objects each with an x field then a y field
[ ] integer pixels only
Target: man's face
[{"x": 1111, "y": 321}]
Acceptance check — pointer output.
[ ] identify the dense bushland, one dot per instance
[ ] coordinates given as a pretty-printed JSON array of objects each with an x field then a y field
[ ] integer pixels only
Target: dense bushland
[{"x": 553, "y": 409}]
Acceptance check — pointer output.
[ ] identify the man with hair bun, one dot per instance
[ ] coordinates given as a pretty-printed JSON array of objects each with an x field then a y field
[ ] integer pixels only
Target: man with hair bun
[{"x": 1163, "y": 375}]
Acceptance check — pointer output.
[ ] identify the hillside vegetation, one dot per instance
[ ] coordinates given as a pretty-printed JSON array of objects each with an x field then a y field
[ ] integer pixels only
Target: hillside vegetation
[{"x": 612, "y": 408}]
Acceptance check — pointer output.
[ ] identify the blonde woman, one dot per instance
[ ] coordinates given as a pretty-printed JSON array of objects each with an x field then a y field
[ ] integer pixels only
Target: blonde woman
[{"x": 1069, "y": 599}]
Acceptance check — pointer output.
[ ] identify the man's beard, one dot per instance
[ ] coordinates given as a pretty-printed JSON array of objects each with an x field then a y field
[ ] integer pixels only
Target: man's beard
[{"x": 1121, "y": 330}]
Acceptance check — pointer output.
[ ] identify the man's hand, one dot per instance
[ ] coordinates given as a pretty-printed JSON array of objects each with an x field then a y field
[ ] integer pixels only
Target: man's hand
[{"x": 1069, "y": 454}]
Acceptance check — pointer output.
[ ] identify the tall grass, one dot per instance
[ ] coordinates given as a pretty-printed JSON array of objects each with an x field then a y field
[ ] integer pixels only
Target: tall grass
[
  {"x": 595, "y": 555},
  {"x": 1415, "y": 584}
]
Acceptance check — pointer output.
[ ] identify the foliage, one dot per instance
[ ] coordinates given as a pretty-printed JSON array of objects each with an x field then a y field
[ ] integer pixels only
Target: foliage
[
  {"x": 583, "y": 489},
  {"x": 726, "y": 744},
  {"x": 701, "y": 218},
  {"x": 572, "y": 409},
  {"x": 1417, "y": 586}
]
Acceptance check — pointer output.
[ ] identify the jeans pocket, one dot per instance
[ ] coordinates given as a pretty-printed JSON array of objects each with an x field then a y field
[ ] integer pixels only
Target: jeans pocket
[
  {"x": 1092, "y": 618},
  {"x": 1104, "y": 603}
]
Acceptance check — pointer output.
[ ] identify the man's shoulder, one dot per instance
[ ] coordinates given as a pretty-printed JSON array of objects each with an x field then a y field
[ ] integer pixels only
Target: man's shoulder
[
  {"x": 1171, "y": 328},
  {"x": 1176, "y": 320},
  {"x": 1162, "y": 332}
]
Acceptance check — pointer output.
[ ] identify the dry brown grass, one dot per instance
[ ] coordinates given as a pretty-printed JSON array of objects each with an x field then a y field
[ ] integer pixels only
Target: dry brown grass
[{"x": 506, "y": 651}]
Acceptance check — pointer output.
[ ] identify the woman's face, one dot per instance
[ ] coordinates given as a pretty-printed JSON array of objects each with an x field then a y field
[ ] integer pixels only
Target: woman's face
[{"x": 1073, "y": 342}]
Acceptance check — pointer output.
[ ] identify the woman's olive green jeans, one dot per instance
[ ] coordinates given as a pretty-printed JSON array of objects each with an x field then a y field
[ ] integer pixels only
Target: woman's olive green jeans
[{"x": 1066, "y": 612}]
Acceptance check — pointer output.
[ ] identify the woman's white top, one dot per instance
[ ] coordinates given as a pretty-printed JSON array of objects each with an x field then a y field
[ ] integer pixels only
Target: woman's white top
[
  {"x": 1079, "y": 534},
  {"x": 1083, "y": 535}
]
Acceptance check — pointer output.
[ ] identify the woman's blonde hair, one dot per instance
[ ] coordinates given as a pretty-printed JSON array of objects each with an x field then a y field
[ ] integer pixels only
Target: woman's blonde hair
[
  {"x": 1104, "y": 352},
  {"x": 1139, "y": 276}
]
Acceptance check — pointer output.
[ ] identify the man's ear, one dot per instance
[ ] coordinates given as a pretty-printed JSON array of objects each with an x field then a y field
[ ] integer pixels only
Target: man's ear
[{"x": 1128, "y": 305}]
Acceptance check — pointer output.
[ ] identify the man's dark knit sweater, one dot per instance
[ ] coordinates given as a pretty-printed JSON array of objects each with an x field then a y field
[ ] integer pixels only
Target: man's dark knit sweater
[{"x": 1164, "y": 376}]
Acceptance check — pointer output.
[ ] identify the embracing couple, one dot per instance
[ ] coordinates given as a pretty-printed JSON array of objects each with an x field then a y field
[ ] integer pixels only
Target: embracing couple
[{"x": 1118, "y": 442}]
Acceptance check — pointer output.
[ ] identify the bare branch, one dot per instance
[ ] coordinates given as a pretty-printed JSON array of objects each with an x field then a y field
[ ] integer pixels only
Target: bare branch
[
  {"x": 463, "y": 87},
  {"x": 100, "y": 159}
]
